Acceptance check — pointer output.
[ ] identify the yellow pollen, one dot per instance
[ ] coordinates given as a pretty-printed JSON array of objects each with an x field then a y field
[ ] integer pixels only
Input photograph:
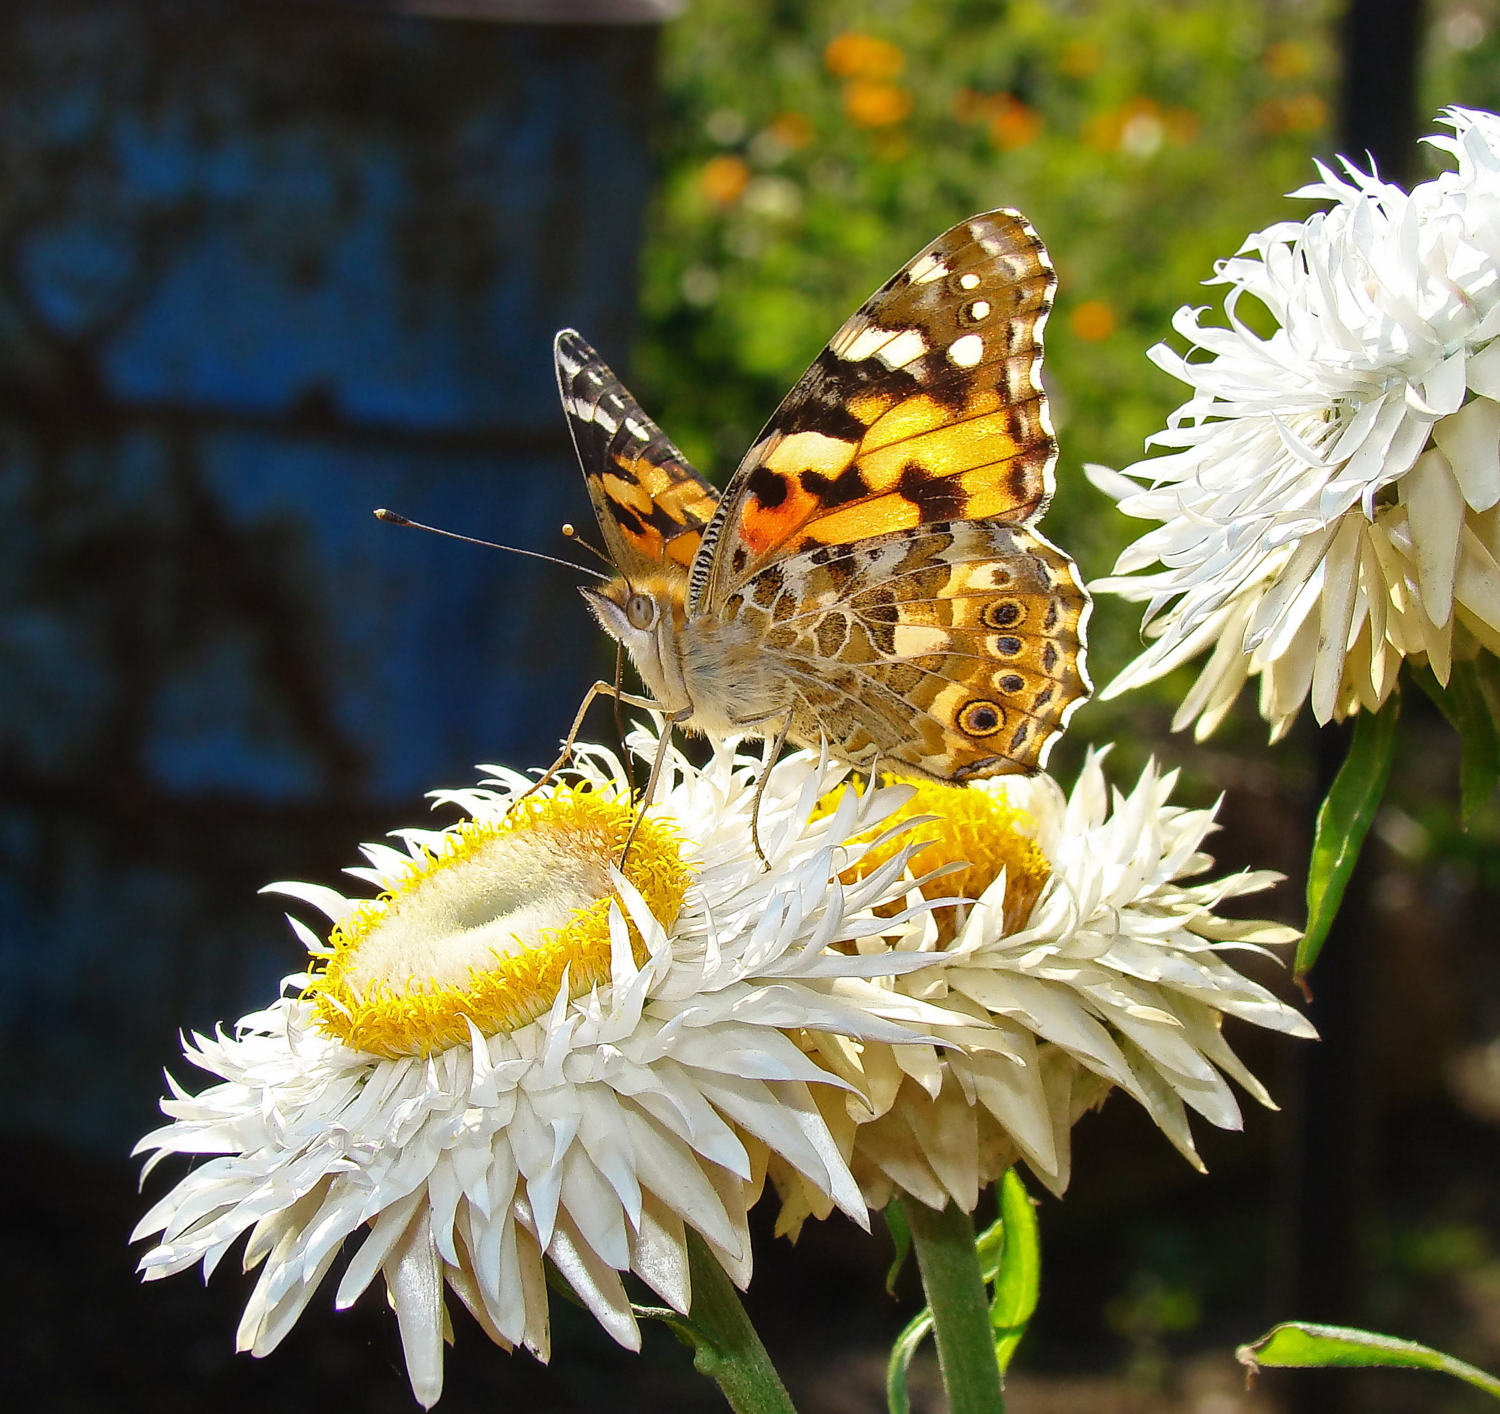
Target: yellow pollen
[
  {"x": 484, "y": 927},
  {"x": 976, "y": 826}
]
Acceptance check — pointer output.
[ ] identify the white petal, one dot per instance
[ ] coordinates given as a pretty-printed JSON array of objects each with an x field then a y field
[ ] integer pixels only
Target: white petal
[
  {"x": 1341, "y": 569},
  {"x": 1435, "y": 510},
  {"x": 1470, "y": 439},
  {"x": 414, "y": 1280}
]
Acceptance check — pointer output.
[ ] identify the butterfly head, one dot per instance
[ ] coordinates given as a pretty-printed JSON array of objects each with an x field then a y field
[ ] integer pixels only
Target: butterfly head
[{"x": 644, "y": 615}]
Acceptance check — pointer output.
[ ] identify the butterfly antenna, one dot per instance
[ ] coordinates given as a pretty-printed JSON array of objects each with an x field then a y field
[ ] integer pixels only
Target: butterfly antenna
[
  {"x": 571, "y": 533},
  {"x": 391, "y": 518}
]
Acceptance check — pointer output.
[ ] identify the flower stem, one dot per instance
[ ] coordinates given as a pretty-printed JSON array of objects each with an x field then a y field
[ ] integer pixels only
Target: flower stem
[
  {"x": 725, "y": 1345},
  {"x": 944, "y": 1243}
]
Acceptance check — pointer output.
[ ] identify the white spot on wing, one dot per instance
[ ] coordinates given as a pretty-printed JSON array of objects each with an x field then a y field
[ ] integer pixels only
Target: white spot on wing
[
  {"x": 917, "y": 640},
  {"x": 893, "y": 349},
  {"x": 865, "y": 343},
  {"x": 969, "y": 280},
  {"x": 929, "y": 267},
  {"x": 980, "y": 309},
  {"x": 906, "y": 347},
  {"x": 590, "y": 412},
  {"x": 967, "y": 351}
]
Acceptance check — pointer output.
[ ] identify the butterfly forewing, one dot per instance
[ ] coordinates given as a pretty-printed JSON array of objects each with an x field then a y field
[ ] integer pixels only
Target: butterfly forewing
[
  {"x": 926, "y": 406},
  {"x": 651, "y": 504}
]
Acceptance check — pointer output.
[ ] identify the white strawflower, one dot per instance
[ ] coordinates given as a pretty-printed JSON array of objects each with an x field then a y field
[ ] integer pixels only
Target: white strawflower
[
  {"x": 516, "y": 1051},
  {"x": 1332, "y": 507},
  {"x": 1095, "y": 964}
]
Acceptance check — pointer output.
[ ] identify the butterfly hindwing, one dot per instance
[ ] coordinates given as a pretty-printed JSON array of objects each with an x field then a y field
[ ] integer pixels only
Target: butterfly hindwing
[
  {"x": 651, "y": 504},
  {"x": 926, "y": 406},
  {"x": 954, "y": 651}
]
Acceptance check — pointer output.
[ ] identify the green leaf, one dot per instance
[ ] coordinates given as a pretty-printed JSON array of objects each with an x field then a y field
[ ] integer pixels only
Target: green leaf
[
  {"x": 1471, "y": 702},
  {"x": 897, "y": 1367},
  {"x": 895, "y": 1221},
  {"x": 1300, "y": 1345},
  {"x": 1018, "y": 1272},
  {"x": 1344, "y": 821}
]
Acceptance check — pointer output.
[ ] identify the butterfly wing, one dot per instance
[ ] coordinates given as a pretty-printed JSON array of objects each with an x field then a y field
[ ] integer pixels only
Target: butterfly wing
[
  {"x": 953, "y": 651},
  {"x": 926, "y": 406},
  {"x": 652, "y": 505}
]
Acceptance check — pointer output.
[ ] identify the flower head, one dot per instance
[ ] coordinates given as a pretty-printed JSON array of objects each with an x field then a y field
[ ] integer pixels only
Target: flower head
[
  {"x": 517, "y": 1051},
  {"x": 1331, "y": 507},
  {"x": 1084, "y": 961}
]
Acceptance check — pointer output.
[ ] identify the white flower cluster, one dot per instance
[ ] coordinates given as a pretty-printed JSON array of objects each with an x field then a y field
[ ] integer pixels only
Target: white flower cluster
[
  {"x": 523, "y": 1053},
  {"x": 1331, "y": 505},
  {"x": 1119, "y": 973},
  {"x": 593, "y": 1136}
]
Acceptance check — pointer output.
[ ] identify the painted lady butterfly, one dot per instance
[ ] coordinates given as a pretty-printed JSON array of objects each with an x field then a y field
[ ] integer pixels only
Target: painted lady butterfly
[{"x": 870, "y": 576}]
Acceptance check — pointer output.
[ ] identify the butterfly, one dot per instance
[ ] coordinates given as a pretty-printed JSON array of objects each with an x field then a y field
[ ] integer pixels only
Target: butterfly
[{"x": 870, "y": 579}]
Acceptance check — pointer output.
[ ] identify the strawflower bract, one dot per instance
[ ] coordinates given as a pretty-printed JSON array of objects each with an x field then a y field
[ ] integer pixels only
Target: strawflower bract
[
  {"x": 1333, "y": 505},
  {"x": 516, "y": 1052}
]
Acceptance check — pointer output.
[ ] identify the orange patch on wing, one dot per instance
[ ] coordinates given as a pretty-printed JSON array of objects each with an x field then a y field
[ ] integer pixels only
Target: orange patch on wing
[
  {"x": 909, "y": 418},
  {"x": 682, "y": 548},
  {"x": 989, "y": 493},
  {"x": 945, "y": 451},
  {"x": 863, "y": 519},
  {"x": 868, "y": 407},
  {"x": 762, "y": 528},
  {"x": 681, "y": 498},
  {"x": 626, "y": 490}
]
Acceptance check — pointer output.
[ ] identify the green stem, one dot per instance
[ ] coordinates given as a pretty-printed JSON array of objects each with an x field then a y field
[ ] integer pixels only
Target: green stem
[
  {"x": 944, "y": 1243},
  {"x": 725, "y": 1345}
]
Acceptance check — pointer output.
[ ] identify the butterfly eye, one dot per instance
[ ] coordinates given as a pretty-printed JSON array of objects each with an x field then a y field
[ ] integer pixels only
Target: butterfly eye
[{"x": 640, "y": 609}]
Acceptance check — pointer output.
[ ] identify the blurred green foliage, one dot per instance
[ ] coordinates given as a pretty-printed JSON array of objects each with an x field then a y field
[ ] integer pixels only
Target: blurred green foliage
[{"x": 809, "y": 149}]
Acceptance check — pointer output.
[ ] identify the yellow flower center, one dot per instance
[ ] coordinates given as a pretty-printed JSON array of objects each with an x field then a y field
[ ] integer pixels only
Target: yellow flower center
[
  {"x": 976, "y": 826},
  {"x": 484, "y": 927}
]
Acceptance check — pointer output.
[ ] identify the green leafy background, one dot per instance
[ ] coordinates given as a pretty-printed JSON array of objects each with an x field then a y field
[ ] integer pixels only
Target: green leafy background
[{"x": 1144, "y": 139}]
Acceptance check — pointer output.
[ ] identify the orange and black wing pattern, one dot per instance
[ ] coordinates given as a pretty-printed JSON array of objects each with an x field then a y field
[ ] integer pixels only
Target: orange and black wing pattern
[
  {"x": 652, "y": 505},
  {"x": 926, "y": 407}
]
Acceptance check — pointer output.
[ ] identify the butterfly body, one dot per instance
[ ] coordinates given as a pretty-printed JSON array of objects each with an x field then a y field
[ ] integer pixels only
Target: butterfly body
[
  {"x": 870, "y": 579},
  {"x": 716, "y": 672}
]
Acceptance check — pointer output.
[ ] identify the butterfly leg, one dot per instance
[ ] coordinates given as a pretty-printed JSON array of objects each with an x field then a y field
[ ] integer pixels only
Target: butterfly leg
[
  {"x": 599, "y": 689},
  {"x": 662, "y": 745},
  {"x": 760, "y": 787}
]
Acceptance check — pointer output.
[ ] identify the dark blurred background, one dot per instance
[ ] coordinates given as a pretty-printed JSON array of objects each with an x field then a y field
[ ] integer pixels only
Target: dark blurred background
[{"x": 266, "y": 265}]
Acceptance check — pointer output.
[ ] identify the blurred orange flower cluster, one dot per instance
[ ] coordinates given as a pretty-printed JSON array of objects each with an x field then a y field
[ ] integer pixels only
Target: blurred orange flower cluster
[
  {"x": 1139, "y": 127},
  {"x": 1011, "y": 122},
  {"x": 1297, "y": 113},
  {"x": 1092, "y": 321},
  {"x": 724, "y": 178},
  {"x": 868, "y": 65},
  {"x": 791, "y": 131}
]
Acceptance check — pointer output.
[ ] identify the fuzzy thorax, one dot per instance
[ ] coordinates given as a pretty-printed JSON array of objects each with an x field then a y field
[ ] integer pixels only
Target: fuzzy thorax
[{"x": 715, "y": 669}]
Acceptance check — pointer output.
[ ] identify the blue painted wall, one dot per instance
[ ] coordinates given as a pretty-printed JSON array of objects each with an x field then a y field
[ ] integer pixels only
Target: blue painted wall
[{"x": 263, "y": 268}]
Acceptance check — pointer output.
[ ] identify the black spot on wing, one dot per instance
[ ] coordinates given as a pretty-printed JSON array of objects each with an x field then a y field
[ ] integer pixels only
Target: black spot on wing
[
  {"x": 820, "y": 402},
  {"x": 629, "y": 521},
  {"x": 838, "y": 490},
  {"x": 935, "y": 498},
  {"x": 768, "y": 487}
]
